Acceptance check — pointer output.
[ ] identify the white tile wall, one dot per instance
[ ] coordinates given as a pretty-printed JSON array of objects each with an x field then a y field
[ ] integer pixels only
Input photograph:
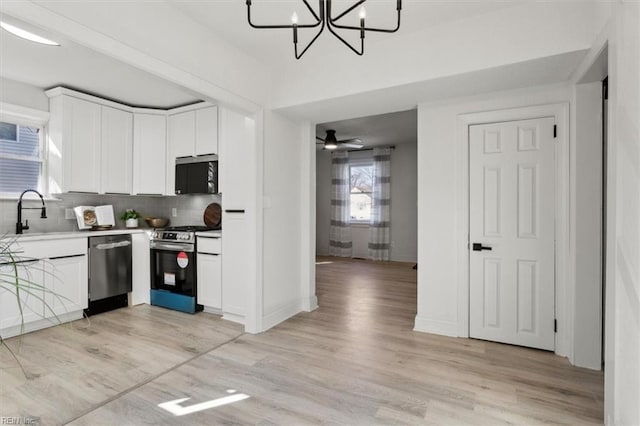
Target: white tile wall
[{"x": 190, "y": 210}]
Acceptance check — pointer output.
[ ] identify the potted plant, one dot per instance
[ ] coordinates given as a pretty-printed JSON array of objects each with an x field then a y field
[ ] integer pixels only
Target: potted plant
[{"x": 130, "y": 218}]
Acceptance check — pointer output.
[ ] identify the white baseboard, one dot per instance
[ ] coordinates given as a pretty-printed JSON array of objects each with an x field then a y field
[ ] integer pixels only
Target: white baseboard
[
  {"x": 310, "y": 304},
  {"x": 40, "y": 324},
  {"x": 444, "y": 328},
  {"x": 281, "y": 314},
  {"x": 210, "y": 310},
  {"x": 233, "y": 317}
]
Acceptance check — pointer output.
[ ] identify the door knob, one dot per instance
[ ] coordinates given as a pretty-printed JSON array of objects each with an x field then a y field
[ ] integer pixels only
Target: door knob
[{"x": 480, "y": 247}]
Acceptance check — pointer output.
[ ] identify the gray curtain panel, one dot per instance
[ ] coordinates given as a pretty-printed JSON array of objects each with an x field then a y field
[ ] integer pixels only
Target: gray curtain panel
[
  {"x": 379, "y": 229},
  {"x": 340, "y": 242}
]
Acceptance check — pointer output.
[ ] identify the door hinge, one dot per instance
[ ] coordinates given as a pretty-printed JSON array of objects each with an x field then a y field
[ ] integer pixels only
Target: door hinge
[
  {"x": 555, "y": 130},
  {"x": 555, "y": 325}
]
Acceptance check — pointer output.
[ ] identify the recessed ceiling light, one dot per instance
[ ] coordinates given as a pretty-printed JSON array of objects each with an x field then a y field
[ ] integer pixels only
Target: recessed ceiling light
[{"x": 27, "y": 35}]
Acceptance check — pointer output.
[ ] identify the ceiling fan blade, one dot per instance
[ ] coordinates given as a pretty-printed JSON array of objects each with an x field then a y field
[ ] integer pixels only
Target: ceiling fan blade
[
  {"x": 319, "y": 138},
  {"x": 352, "y": 145},
  {"x": 352, "y": 140}
]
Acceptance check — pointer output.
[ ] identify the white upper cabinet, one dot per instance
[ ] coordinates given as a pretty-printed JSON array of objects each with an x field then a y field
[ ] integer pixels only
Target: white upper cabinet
[
  {"x": 206, "y": 141},
  {"x": 74, "y": 128},
  {"x": 101, "y": 146},
  {"x": 190, "y": 133},
  {"x": 117, "y": 151},
  {"x": 149, "y": 153},
  {"x": 193, "y": 132},
  {"x": 182, "y": 134},
  {"x": 237, "y": 134}
]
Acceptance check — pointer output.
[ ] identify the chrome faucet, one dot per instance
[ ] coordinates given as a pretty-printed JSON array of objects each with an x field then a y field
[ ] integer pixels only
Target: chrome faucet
[{"x": 43, "y": 211}]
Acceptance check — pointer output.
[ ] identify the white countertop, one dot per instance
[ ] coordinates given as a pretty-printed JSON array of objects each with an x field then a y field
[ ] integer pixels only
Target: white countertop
[{"x": 38, "y": 236}]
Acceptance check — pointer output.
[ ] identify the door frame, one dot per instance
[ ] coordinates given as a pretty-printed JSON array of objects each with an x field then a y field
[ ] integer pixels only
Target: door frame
[{"x": 560, "y": 112}]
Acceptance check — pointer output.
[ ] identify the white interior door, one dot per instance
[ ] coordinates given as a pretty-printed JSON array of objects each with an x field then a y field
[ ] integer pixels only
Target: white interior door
[{"x": 512, "y": 232}]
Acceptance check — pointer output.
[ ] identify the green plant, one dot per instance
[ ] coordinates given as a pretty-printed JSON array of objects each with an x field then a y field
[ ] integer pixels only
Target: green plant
[{"x": 130, "y": 214}]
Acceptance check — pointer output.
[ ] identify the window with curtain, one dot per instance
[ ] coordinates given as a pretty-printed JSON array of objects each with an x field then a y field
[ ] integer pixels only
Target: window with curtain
[
  {"x": 21, "y": 162},
  {"x": 361, "y": 192}
]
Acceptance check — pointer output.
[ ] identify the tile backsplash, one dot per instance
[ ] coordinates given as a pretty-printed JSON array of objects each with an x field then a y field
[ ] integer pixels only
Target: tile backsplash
[{"x": 189, "y": 210}]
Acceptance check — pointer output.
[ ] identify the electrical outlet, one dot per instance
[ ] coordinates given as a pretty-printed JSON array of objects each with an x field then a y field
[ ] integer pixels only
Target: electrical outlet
[
  {"x": 174, "y": 212},
  {"x": 69, "y": 214}
]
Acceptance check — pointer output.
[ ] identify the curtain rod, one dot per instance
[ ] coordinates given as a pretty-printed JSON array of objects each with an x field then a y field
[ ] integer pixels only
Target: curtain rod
[{"x": 371, "y": 149}]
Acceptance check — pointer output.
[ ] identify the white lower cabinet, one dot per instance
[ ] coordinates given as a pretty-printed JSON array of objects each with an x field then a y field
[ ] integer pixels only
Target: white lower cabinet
[
  {"x": 210, "y": 280},
  {"x": 24, "y": 304},
  {"x": 66, "y": 285},
  {"x": 236, "y": 267},
  {"x": 209, "y": 287},
  {"x": 52, "y": 288}
]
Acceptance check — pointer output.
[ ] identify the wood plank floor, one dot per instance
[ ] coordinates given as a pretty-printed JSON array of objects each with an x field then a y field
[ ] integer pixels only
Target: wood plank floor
[{"x": 355, "y": 360}]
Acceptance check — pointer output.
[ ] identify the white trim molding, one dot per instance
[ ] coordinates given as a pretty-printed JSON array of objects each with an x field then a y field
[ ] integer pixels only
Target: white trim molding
[
  {"x": 428, "y": 325},
  {"x": 563, "y": 275},
  {"x": 23, "y": 115}
]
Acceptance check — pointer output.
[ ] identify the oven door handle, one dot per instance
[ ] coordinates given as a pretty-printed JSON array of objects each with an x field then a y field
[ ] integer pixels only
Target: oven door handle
[{"x": 172, "y": 247}]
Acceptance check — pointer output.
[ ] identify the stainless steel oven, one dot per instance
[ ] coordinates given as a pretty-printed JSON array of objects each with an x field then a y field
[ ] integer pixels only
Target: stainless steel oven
[{"x": 173, "y": 269}]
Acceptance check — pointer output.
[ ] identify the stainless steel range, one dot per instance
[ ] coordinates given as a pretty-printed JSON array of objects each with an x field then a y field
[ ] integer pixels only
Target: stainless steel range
[{"x": 173, "y": 268}]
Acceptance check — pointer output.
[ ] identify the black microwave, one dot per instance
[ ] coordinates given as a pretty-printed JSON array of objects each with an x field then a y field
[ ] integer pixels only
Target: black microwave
[{"x": 197, "y": 175}]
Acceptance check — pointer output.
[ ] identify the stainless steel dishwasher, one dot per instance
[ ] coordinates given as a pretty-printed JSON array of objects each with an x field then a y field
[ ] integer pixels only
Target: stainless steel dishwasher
[{"x": 109, "y": 273}]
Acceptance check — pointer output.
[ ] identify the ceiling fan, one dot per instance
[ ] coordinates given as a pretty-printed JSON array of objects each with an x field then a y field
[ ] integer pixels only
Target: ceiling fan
[{"x": 330, "y": 142}]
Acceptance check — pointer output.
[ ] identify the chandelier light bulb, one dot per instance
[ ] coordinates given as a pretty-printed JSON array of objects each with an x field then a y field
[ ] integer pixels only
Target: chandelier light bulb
[
  {"x": 294, "y": 18},
  {"x": 363, "y": 13}
]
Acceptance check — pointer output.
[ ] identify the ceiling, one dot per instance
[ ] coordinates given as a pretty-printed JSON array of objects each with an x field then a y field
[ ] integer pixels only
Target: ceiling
[
  {"x": 376, "y": 130},
  {"x": 228, "y": 20},
  {"x": 74, "y": 66}
]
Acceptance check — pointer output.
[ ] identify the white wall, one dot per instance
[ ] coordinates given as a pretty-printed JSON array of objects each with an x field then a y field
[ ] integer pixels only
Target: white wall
[
  {"x": 404, "y": 209},
  {"x": 622, "y": 347},
  {"x": 282, "y": 230},
  {"x": 22, "y": 94},
  {"x": 528, "y": 31},
  {"x": 439, "y": 175}
]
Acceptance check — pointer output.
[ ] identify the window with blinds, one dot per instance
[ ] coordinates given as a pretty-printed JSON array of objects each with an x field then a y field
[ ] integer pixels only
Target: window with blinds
[{"x": 20, "y": 158}]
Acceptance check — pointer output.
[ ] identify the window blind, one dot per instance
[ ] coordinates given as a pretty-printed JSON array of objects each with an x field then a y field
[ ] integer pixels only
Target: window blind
[{"x": 20, "y": 160}]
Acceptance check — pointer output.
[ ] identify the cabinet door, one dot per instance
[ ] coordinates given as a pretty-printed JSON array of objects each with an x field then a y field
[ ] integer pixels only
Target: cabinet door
[
  {"x": 181, "y": 130},
  {"x": 182, "y": 134},
  {"x": 236, "y": 143},
  {"x": 66, "y": 281},
  {"x": 206, "y": 131},
  {"x": 149, "y": 154},
  {"x": 235, "y": 270},
  {"x": 29, "y": 305},
  {"x": 117, "y": 151},
  {"x": 210, "y": 280},
  {"x": 81, "y": 145}
]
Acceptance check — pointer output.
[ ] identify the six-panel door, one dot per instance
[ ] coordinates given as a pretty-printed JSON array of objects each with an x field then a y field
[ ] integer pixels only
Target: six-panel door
[{"x": 512, "y": 205}]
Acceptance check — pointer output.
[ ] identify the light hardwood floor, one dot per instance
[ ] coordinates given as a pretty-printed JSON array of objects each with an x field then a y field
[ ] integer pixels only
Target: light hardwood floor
[{"x": 355, "y": 360}]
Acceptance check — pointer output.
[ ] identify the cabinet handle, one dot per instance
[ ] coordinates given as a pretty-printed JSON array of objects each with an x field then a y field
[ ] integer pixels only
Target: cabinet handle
[
  {"x": 67, "y": 257},
  {"x": 234, "y": 211},
  {"x": 20, "y": 262}
]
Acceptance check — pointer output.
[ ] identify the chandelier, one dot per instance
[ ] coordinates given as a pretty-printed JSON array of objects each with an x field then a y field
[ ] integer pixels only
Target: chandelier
[{"x": 324, "y": 17}]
